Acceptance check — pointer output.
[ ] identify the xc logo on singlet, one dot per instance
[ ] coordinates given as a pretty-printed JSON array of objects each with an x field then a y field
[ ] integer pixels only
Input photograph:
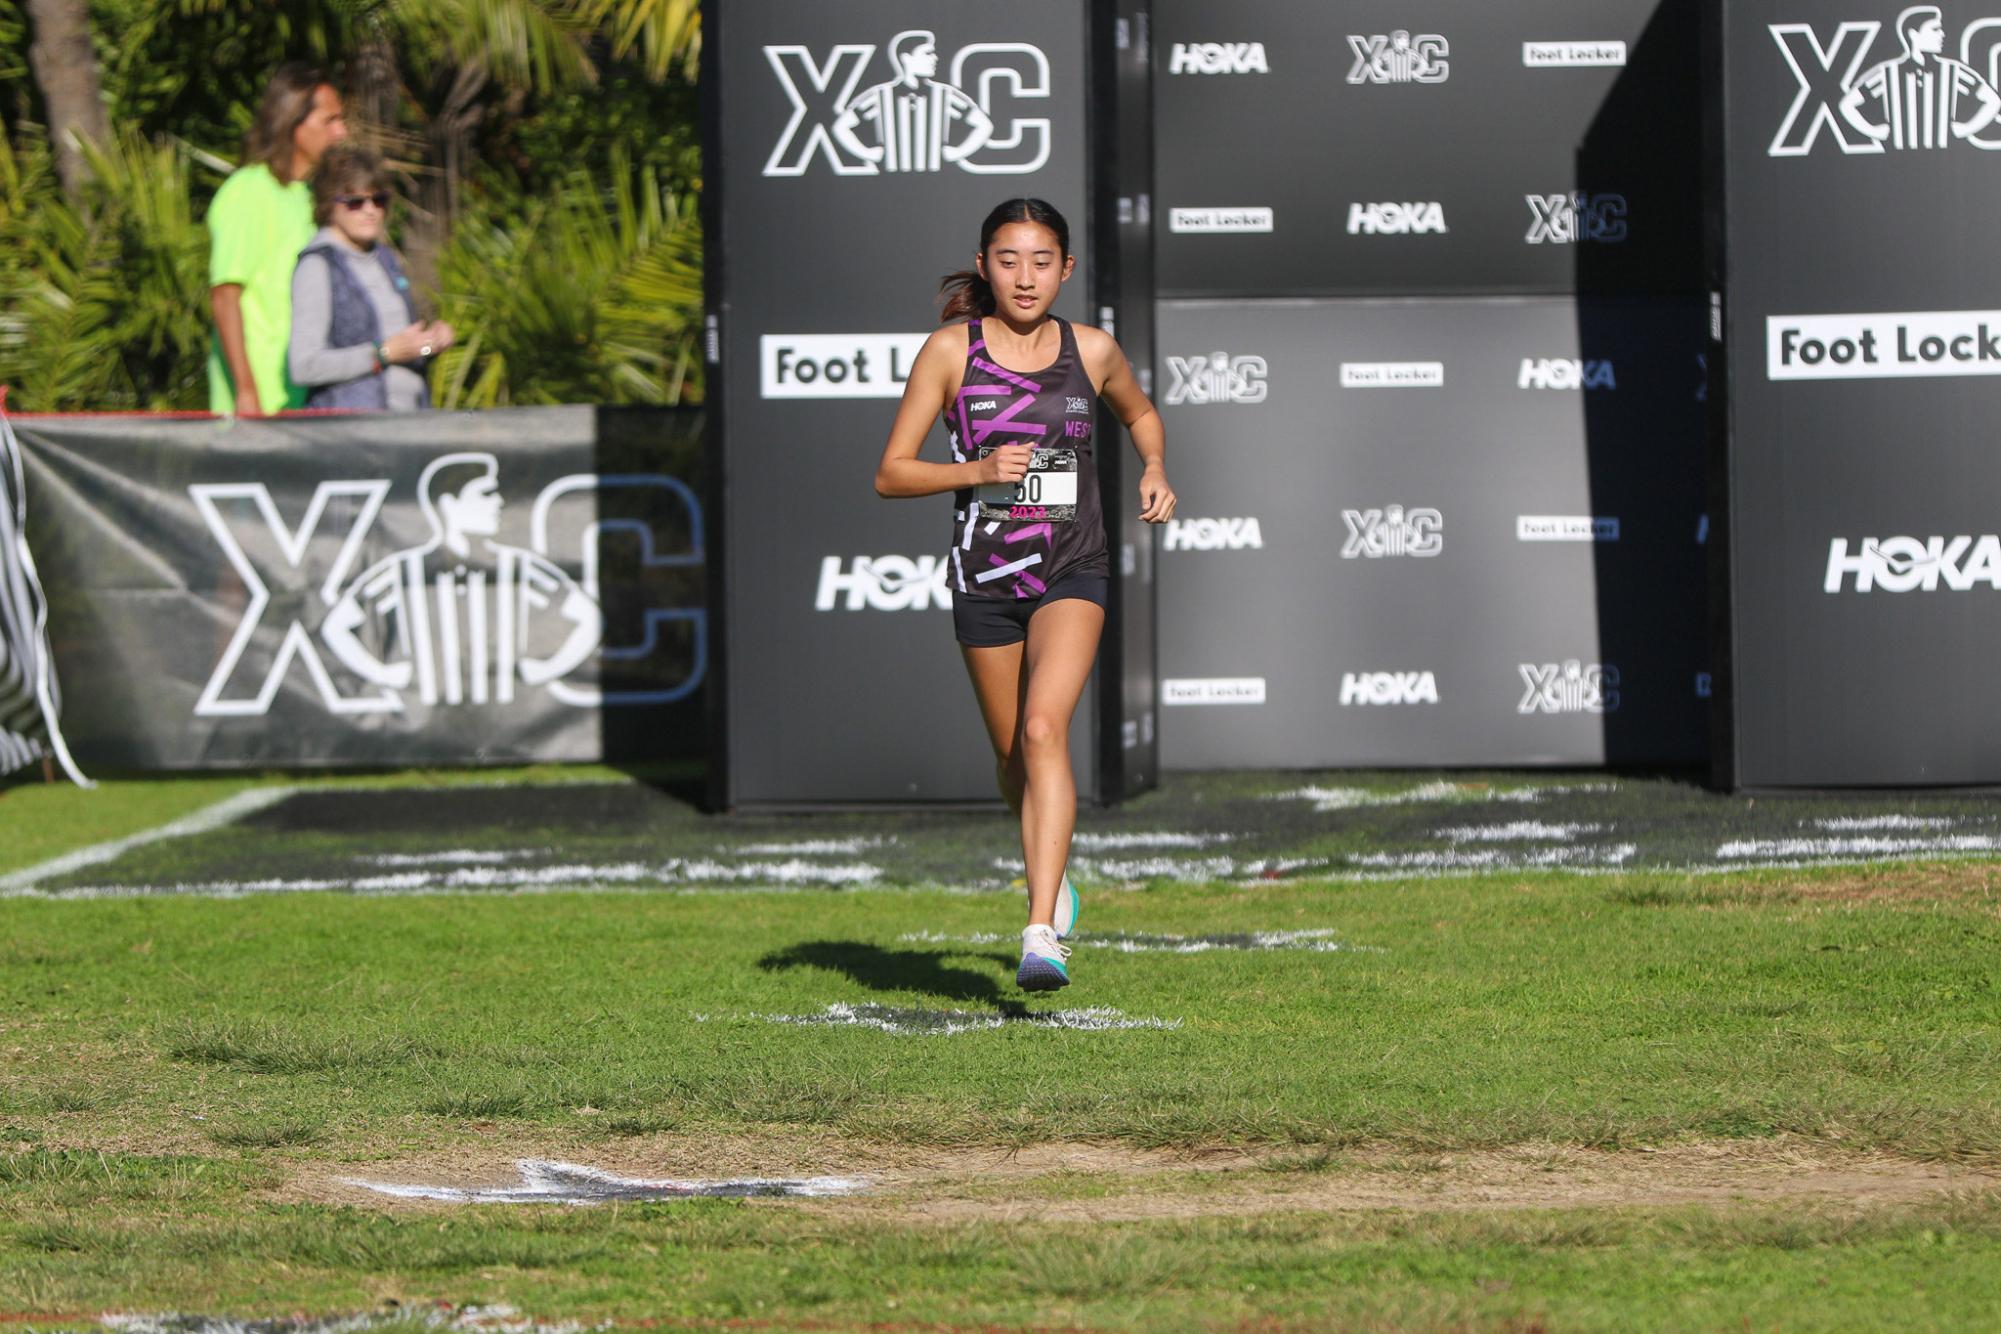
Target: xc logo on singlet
[
  {"x": 1919, "y": 99},
  {"x": 911, "y": 121}
]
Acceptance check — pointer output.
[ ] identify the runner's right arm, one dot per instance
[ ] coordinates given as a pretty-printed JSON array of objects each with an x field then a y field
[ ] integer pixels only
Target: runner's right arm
[{"x": 933, "y": 380}]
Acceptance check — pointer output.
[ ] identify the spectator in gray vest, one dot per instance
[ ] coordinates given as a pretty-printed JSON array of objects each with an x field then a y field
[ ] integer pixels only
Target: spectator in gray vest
[{"x": 356, "y": 340}]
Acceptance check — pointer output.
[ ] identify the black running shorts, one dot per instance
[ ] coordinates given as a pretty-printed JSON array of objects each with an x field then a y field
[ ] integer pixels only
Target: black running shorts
[{"x": 997, "y": 622}]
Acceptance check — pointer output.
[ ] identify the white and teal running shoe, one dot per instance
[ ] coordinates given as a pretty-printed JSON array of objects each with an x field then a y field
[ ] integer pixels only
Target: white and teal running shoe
[
  {"x": 1066, "y": 909},
  {"x": 1042, "y": 961}
]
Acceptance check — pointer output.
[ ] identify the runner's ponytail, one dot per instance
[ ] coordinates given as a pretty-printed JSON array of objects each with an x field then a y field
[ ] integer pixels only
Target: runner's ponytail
[{"x": 966, "y": 294}]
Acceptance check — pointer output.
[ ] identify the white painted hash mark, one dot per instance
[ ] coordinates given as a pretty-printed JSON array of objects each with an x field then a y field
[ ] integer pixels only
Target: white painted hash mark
[
  {"x": 1186, "y": 871},
  {"x": 454, "y": 857},
  {"x": 497, "y": 1318},
  {"x": 1499, "y": 859},
  {"x": 1319, "y": 940},
  {"x": 914, "y": 1022},
  {"x": 818, "y": 846},
  {"x": 1856, "y": 824},
  {"x": 1326, "y": 799},
  {"x": 1850, "y": 847},
  {"x": 469, "y": 879},
  {"x": 227, "y": 811},
  {"x": 1101, "y": 842},
  {"x": 1518, "y": 831},
  {"x": 1329, "y": 799},
  {"x": 546, "y": 1182}
]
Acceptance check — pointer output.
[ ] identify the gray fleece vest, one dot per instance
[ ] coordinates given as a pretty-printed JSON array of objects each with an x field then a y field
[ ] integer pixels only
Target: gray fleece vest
[{"x": 354, "y": 321}]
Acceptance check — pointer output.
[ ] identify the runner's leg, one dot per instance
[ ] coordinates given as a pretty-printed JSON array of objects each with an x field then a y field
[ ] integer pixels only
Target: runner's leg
[
  {"x": 1062, "y": 645},
  {"x": 999, "y": 682}
]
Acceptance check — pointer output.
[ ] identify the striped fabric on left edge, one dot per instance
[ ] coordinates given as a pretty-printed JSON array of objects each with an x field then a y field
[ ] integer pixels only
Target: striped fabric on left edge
[{"x": 29, "y": 699}]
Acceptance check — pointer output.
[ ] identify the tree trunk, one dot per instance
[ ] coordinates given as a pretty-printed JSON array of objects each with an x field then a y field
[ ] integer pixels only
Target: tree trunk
[{"x": 65, "y": 68}]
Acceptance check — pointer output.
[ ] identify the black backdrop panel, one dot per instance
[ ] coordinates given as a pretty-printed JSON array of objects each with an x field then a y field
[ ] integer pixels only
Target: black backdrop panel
[
  {"x": 1123, "y": 247},
  {"x": 1433, "y": 533},
  {"x": 843, "y": 682},
  {"x": 1863, "y": 566},
  {"x": 1535, "y": 140}
]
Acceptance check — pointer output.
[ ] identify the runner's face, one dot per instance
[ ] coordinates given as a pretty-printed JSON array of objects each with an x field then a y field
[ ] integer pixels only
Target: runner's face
[{"x": 1026, "y": 267}]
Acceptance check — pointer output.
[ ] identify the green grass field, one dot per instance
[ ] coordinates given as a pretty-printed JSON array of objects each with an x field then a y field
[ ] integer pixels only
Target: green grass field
[{"x": 1365, "y": 1051}]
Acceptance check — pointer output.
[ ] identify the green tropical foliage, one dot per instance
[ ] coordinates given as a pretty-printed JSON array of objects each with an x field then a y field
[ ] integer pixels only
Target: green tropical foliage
[
  {"x": 101, "y": 301},
  {"x": 585, "y": 300},
  {"x": 546, "y": 152}
]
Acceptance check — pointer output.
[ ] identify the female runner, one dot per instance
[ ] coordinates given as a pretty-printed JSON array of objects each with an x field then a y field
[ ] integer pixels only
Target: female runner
[{"x": 1028, "y": 571}]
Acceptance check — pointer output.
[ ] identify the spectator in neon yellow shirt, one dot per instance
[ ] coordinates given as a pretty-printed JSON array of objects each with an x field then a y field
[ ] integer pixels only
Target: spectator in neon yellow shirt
[{"x": 261, "y": 219}]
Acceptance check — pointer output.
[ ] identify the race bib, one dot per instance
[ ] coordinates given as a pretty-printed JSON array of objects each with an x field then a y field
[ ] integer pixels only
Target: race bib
[{"x": 1048, "y": 493}]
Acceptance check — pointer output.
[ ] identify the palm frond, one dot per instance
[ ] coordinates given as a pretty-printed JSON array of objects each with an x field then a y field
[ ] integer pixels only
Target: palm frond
[
  {"x": 101, "y": 300},
  {"x": 527, "y": 44},
  {"x": 666, "y": 33},
  {"x": 594, "y": 297}
]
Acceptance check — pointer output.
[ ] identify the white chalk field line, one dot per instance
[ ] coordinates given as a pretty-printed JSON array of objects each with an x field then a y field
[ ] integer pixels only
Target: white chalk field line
[
  {"x": 915, "y": 1022},
  {"x": 227, "y": 811}
]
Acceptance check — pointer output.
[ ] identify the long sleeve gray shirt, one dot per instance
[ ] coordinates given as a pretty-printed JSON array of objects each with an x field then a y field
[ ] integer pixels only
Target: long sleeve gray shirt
[{"x": 312, "y": 361}]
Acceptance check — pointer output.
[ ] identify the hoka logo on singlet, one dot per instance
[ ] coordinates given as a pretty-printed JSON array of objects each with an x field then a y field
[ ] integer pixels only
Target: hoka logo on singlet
[{"x": 911, "y": 121}]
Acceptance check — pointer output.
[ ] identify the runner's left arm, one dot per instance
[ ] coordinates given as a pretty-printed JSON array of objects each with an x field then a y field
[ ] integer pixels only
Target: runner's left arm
[{"x": 1119, "y": 388}]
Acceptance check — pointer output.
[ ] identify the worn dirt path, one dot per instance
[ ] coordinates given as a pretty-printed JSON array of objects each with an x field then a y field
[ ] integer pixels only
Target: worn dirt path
[{"x": 1110, "y": 1183}]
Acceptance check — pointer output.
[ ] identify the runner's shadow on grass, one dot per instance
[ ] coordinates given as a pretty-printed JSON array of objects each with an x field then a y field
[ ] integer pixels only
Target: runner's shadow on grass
[{"x": 881, "y": 969}]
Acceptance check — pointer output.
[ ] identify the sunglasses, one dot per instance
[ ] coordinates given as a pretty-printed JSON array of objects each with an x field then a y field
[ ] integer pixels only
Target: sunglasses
[{"x": 380, "y": 199}]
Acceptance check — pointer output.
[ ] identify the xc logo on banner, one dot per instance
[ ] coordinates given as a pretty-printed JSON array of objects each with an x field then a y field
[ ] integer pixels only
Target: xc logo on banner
[
  {"x": 461, "y": 617},
  {"x": 912, "y": 121},
  {"x": 1919, "y": 99}
]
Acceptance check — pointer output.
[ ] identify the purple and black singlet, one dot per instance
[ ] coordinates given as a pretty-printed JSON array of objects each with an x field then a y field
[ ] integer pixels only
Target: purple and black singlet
[{"x": 1015, "y": 539}]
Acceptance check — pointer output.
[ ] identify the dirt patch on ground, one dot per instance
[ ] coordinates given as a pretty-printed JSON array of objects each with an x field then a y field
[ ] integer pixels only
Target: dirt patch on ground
[{"x": 1108, "y": 1183}]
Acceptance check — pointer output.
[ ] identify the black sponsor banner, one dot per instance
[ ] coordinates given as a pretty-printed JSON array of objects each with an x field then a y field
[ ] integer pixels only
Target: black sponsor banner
[
  {"x": 1433, "y": 533},
  {"x": 853, "y": 152},
  {"x": 445, "y": 588},
  {"x": 1426, "y": 147},
  {"x": 1858, "y": 165}
]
